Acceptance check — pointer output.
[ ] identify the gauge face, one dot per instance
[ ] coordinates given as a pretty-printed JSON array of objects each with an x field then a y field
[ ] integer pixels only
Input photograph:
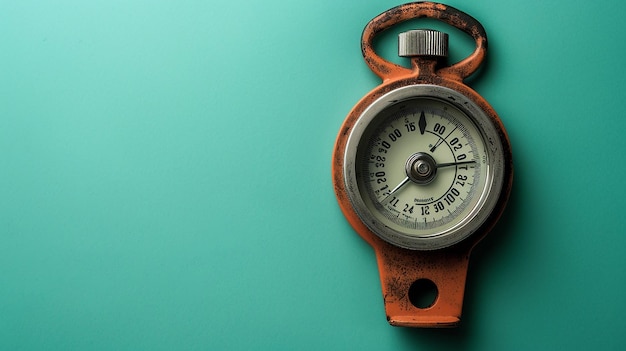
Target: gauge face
[{"x": 421, "y": 174}]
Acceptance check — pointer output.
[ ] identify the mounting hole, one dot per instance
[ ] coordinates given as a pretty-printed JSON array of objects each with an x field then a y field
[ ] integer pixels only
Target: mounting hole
[{"x": 423, "y": 293}]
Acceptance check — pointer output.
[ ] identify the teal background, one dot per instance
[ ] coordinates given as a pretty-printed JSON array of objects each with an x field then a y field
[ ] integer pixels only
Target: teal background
[{"x": 165, "y": 178}]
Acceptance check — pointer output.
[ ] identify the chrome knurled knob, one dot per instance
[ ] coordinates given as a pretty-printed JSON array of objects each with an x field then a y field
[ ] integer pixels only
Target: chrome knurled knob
[{"x": 423, "y": 42}]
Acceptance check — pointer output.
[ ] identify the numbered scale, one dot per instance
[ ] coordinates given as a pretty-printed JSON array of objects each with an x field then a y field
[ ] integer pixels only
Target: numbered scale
[{"x": 422, "y": 167}]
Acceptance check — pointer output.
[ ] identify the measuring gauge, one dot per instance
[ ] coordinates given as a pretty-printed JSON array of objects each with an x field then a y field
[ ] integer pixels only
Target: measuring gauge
[
  {"x": 417, "y": 167},
  {"x": 422, "y": 167}
]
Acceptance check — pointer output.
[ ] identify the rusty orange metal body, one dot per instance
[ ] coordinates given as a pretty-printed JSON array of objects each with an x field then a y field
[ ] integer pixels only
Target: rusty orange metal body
[{"x": 400, "y": 268}]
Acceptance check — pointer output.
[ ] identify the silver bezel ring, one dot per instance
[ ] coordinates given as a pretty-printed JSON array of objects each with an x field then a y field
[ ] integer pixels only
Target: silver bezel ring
[{"x": 489, "y": 196}]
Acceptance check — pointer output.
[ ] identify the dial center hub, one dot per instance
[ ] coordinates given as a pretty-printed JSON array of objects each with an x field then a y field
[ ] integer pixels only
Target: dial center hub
[{"x": 421, "y": 168}]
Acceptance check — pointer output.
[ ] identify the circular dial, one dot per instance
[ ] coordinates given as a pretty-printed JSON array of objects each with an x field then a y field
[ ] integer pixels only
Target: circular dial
[
  {"x": 422, "y": 166},
  {"x": 421, "y": 173}
]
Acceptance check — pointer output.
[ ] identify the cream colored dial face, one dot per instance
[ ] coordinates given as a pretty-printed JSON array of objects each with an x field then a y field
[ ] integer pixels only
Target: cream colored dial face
[{"x": 422, "y": 167}]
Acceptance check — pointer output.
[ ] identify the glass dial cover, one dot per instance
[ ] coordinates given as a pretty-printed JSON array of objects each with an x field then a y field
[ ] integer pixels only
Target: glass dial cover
[{"x": 424, "y": 167}]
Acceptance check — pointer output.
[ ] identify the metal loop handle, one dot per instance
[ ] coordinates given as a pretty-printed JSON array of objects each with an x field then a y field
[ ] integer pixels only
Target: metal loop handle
[{"x": 447, "y": 14}]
